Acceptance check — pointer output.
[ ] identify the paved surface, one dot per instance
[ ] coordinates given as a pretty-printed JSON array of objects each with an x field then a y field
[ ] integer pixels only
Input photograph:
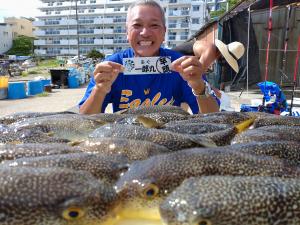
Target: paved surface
[
  {"x": 67, "y": 99},
  {"x": 58, "y": 100}
]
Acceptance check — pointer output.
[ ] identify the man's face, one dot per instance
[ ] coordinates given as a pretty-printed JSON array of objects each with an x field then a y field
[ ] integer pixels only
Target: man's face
[{"x": 145, "y": 30}]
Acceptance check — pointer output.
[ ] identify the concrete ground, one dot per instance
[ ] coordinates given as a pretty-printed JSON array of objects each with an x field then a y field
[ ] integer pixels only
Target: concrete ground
[
  {"x": 67, "y": 99},
  {"x": 58, "y": 100}
]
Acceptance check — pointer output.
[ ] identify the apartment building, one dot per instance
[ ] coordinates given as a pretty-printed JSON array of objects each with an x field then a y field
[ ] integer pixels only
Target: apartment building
[
  {"x": 215, "y": 5},
  {"x": 20, "y": 26},
  {"x": 65, "y": 25},
  {"x": 5, "y": 37}
]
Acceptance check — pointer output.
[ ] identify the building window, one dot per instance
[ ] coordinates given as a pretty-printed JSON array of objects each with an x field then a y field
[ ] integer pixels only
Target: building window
[
  {"x": 80, "y": 10},
  {"x": 196, "y": 8},
  {"x": 82, "y": 1},
  {"x": 172, "y": 1},
  {"x": 91, "y": 10},
  {"x": 57, "y": 12},
  {"x": 48, "y": 13},
  {"x": 93, "y": 1},
  {"x": 195, "y": 21},
  {"x": 59, "y": 3},
  {"x": 50, "y": 4}
]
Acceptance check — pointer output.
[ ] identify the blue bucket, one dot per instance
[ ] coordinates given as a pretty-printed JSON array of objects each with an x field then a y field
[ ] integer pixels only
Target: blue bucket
[
  {"x": 73, "y": 82},
  {"x": 35, "y": 87},
  {"x": 16, "y": 90}
]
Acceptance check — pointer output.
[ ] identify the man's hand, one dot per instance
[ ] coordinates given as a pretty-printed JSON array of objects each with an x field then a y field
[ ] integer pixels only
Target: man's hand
[
  {"x": 191, "y": 71},
  {"x": 105, "y": 74}
]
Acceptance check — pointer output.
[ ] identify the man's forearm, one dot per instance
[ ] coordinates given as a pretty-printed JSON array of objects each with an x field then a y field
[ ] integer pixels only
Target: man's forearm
[
  {"x": 207, "y": 104},
  {"x": 93, "y": 104}
]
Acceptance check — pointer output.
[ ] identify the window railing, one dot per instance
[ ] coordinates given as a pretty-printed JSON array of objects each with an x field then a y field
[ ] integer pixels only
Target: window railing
[
  {"x": 116, "y": 41},
  {"x": 119, "y": 20},
  {"x": 86, "y": 31},
  {"x": 119, "y": 31},
  {"x": 52, "y": 32},
  {"x": 51, "y": 22},
  {"x": 85, "y": 21}
]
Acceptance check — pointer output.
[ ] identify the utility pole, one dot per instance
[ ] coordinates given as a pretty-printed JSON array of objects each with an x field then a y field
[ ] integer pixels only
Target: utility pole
[{"x": 77, "y": 30}]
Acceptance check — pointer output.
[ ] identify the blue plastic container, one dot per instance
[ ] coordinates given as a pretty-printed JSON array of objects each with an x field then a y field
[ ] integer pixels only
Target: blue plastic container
[
  {"x": 16, "y": 90},
  {"x": 73, "y": 82},
  {"x": 46, "y": 82},
  {"x": 3, "y": 93},
  {"x": 35, "y": 87}
]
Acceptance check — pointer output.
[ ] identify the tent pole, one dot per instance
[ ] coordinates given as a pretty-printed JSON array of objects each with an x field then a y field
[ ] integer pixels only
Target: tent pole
[
  {"x": 286, "y": 38},
  {"x": 249, "y": 15},
  {"x": 295, "y": 75}
]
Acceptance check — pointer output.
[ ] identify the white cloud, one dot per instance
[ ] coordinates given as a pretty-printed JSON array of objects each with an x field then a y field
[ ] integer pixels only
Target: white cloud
[{"x": 18, "y": 8}]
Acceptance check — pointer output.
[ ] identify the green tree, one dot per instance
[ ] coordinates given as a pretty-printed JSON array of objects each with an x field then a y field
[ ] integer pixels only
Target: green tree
[
  {"x": 22, "y": 45},
  {"x": 222, "y": 10},
  {"x": 94, "y": 54}
]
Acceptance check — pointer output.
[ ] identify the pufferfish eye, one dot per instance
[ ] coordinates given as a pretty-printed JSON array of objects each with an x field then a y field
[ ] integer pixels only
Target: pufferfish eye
[
  {"x": 204, "y": 222},
  {"x": 73, "y": 213},
  {"x": 150, "y": 191}
]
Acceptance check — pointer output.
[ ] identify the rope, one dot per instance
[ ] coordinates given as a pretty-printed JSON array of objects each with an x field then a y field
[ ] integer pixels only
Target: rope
[
  {"x": 277, "y": 50},
  {"x": 297, "y": 61},
  {"x": 269, "y": 39}
]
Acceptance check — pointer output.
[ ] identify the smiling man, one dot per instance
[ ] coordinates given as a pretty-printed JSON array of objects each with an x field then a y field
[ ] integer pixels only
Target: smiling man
[{"x": 151, "y": 75}]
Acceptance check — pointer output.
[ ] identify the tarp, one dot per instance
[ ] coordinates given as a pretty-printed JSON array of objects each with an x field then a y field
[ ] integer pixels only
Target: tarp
[
  {"x": 236, "y": 29},
  {"x": 264, "y": 4}
]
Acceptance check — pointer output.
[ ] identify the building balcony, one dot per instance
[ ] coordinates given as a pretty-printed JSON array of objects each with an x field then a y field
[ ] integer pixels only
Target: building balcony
[
  {"x": 53, "y": 52},
  {"x": 177, "y": 26},
  {"x": 176, "y": 2},
  {"x": 120, "y": 41},
  {"x": 177, "y": 37},
  {"x": 54, "y": 5},
  {"x": 178, "y": 13},
  {"x": 103, "y": 31},
  {"x": 68, "y": 22},
  {"x": 47, "y": 42},
  {"x": 39, "y": 51},
  {"x": 119, "y": 20},
  {"x": 103, "y": 21},
  {"x": 68, "y": 32},
  {"x": 38, "y": 23},
  {"x": 68, "y": 42},
  {"x": 39, "y": 42},
  {"x": 103, "y": 41},
  {"x": 68, "y": 52},
  {"x": 119, "y": 31},
  {"x": 39, "y": 32},
  {"x": 108, "y": 51}
]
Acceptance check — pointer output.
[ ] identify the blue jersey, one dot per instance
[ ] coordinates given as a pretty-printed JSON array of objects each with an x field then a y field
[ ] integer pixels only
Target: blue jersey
[{"x": 130, "y": 91}]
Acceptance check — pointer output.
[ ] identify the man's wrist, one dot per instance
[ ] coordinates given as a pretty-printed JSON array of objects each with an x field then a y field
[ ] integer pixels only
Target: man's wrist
[
  {"x": 198, "y": 93},
  {"x": 204, "y": 93},
  {"x": 100, "y": 90}
]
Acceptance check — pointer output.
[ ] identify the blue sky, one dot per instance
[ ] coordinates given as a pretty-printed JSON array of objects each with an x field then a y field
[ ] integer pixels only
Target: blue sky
[{"x": 18, "y": 8}]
